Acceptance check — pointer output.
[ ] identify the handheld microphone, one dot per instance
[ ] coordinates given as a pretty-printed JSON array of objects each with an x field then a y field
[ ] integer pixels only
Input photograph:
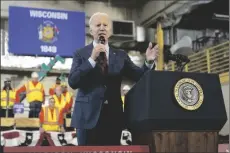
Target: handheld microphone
[
  {"x": 102, "y": 41},
  {"x": 102, "y": 54}
]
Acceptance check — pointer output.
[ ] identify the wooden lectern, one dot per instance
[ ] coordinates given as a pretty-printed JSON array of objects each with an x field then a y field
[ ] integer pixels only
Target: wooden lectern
[{"x": 176, "y": 111}]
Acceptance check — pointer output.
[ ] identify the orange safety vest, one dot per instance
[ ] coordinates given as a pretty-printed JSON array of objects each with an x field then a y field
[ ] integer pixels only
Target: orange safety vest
[
  {"x": 51, "y": 123},
  {"x": 60, "y": 104},
  {"x": 67, "y": 96},
  {"x": 34, "y": 93},
  {"x": 52, "y": 89},
  {"x": 12, "y": 96}
]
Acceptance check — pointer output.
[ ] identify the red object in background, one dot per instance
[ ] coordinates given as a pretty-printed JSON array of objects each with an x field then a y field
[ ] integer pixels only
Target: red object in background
[
  {"x": 222, "y": 148},
  {"x": 78, "y": 149}
]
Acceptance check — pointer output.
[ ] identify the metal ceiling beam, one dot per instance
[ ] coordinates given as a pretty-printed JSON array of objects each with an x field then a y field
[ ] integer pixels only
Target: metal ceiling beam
[{"x": 152, "y": 19}]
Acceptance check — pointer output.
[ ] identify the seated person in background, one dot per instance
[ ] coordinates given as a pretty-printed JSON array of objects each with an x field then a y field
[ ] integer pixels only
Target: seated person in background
[
  {"x": 69, "y": 99},
  {"x": 125, "y": 89},
  {"x": 7, "y": 104},
  {"x": 51, "y": 118},
  {"x": 52, "y": 89},
  {"x": 35, "y": 95}
]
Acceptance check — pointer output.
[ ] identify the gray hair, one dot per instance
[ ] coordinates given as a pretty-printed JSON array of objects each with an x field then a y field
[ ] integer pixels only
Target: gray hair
[{"x": 96, "y": 14}]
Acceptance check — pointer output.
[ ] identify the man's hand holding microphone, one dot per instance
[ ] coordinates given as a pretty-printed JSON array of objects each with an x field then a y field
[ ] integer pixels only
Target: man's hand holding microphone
[{"x": 100, "y": 48}]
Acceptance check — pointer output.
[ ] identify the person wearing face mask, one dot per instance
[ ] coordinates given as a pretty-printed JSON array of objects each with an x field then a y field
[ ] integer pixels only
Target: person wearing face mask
[
  {"x": 52, "y": 89},
  {"x": 97, "y": 71},
  {"x": 35, "y": 95}
]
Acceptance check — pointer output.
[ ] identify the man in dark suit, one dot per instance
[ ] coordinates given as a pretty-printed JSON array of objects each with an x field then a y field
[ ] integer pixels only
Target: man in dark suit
[{"x": 98, "y": 115}]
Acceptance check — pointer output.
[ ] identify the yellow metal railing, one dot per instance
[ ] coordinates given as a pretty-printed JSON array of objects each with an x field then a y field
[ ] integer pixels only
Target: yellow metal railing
[{"x": 210, "y": 60}]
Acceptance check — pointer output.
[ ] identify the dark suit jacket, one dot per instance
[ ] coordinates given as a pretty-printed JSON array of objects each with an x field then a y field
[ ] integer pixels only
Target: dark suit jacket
[{"x": 89, "y": 82}]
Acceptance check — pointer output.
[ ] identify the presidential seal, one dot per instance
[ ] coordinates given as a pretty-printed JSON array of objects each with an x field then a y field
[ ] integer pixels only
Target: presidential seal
[
  {"x": 188, "y": 94},
  {"x": 48, "y": 32}
]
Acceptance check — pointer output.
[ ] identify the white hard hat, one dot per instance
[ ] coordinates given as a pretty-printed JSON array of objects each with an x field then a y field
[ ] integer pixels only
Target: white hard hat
[
  {"x": 34, "y": 75},
  {"x": 126, "y": 87}
]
